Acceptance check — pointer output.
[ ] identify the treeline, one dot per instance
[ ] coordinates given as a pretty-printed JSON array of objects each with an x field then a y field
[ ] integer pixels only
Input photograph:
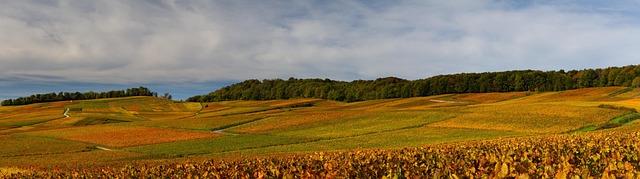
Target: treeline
[
  {"x": 64, "y": 96},
  {"x": 391, "y": 87}
]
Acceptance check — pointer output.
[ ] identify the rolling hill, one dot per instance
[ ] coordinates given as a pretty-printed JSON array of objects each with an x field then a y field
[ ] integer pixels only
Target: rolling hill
[{"x": 117, "y": 131}]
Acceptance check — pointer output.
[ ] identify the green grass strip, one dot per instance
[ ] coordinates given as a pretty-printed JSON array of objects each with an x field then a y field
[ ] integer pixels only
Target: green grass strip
[{"x": 613, "y": 123}]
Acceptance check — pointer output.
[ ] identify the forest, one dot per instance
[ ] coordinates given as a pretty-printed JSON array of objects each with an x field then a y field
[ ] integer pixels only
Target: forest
[
  {"x": 392, "y": 87},
  {"x": 65, "y": 96}
]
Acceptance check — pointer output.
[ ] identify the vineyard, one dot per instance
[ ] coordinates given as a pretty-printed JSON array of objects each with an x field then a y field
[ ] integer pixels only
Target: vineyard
[
  {"x": 585, "y": 132},
  {"x": 602, "y": 155}
]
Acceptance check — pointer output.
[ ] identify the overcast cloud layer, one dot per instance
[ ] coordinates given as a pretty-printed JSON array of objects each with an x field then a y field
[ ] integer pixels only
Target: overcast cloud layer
[{"x": 170, "y": 41}]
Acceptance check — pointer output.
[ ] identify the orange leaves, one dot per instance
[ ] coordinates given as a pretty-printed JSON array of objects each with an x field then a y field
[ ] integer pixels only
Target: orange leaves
[
  {"x": 597, "y": 155},
  {"x": 120, "y": 136},
  {"x": 530, "y": 117}
]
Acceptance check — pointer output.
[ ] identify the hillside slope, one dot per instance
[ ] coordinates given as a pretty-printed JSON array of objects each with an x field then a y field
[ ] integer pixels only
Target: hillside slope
[
  {"x": 121, "y": 130},
  {"x": 392, "y": 87}
]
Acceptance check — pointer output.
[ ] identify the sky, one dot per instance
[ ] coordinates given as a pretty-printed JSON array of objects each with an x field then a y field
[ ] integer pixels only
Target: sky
[{"x": 190, "y": 47}]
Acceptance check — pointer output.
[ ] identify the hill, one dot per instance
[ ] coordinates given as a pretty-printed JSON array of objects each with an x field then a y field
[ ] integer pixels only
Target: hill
[
  {"x": 391, "y": 87},
  {"x": 122, "y": 131},
  {"x": 65, "y": 96}
]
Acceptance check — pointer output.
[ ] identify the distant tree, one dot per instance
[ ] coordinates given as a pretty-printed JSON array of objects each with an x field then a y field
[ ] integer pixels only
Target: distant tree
[
  {"x": 518, "y": 84},
  {"x": 392, "y": 87},
  {"x": 586, "y": 78},
  {"x": 636, "y": 82},
  {"x": 65, "y": 96},
  {"x": 167, "y": 96}
]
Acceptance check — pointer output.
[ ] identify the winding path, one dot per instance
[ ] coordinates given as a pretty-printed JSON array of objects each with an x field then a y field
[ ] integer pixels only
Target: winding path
[
  {"x": 102, "y": 148},
  {"x": 66, "y": 113},
  {"x": 221, "y": 131},
  {"x": 443, "y": 101}
]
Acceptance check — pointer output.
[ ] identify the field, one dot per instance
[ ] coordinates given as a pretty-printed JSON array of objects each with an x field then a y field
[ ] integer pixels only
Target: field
[
  {"x": 480, "y": 135},
  {"x": 122, "y": 136},
  {"x": 594, "y": 155}
]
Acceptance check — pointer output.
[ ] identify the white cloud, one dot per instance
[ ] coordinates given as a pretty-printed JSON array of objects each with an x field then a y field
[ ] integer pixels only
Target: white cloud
[{"x": 122, "y": 41}]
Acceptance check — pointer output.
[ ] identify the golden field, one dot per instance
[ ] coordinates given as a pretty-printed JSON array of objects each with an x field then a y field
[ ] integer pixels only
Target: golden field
[{"x": 151, "y": 131}]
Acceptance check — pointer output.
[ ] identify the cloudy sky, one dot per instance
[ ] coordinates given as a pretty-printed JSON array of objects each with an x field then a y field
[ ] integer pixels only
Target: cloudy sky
[{"x": 189, "y": 47}]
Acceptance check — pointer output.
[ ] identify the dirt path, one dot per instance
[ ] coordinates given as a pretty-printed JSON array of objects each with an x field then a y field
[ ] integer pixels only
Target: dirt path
[
  {"x": 102, "y": 148},
  {"x": 221, "y": 131},
  {"x": 443, "y": 101},
  {"x": 66, "y": 113}
]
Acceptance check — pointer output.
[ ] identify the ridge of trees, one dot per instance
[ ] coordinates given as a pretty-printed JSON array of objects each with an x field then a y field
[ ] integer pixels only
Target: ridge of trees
[
  {"x": 65, "y": 96},
  {"x": 392, "y": 87}
]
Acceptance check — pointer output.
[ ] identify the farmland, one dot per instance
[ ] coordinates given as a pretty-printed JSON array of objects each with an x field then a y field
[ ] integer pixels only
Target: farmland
[
  {"x": 496, "y": 134},
  {"x": 603, "y": 155}
]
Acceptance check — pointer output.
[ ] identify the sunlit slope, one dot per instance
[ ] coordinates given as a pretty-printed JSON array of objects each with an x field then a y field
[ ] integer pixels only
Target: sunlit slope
[
  {"x": 143, "y": 128},
  {"x": 90, "y": 112},
  {"x": 551, "y": 112},
  {"x": 534, "y": 118},
  {"x": 108, "y": 122},
  {"x": 329, "y": 125},
  {"x": 25, "y": 116},
  {"x": 143, "y": 108}
]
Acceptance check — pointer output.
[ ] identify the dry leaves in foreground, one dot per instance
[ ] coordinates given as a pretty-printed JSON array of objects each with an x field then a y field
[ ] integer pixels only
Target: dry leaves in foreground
[{"x": 600, "y": 155}]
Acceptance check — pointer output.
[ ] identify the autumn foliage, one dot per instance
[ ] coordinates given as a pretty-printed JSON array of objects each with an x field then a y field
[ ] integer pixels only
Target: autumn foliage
[{"x": 601, "y": 155}]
